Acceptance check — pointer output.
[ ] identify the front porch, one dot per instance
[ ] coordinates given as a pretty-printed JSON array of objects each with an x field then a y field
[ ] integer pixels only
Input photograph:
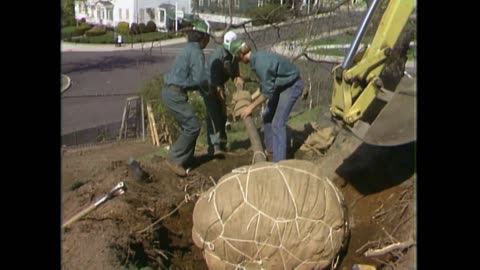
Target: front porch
[{"x": 95, "y": 12}]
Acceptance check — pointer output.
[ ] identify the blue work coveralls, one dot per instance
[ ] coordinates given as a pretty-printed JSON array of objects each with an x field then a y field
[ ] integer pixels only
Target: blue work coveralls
[
  {"x": 186, "y": 73},
  {"x": 219, "y": 69}
]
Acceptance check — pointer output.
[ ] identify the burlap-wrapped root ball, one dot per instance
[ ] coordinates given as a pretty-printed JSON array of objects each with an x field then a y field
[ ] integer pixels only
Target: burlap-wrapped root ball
[{"x": 271, "y": 216}]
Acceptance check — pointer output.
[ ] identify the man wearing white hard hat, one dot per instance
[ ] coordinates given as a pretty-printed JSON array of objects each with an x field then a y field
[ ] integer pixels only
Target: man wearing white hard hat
[{"x": 219, "y": 68}]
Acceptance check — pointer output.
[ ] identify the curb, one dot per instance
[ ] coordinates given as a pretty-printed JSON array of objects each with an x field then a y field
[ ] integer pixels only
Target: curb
[{"x": 68, "y": 84}]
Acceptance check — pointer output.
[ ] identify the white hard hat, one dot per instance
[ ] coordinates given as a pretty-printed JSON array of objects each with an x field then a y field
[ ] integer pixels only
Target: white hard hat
[{"x": 228, "y": 38}]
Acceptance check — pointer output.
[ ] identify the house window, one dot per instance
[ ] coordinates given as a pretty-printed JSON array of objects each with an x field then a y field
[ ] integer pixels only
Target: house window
[
  {"x": 142, "y": 15},
  {"x": 127, "y": 14},
  {"x": 151, "y": 14},
  {"x": 109, "y": 14},
  {"x": 162, "y": 16},
  {"x": 120, "y": 14},
  {"x": 237, "y": 4},
  {"x": 260, "y": 3},
  {"x": 200, "y": 3}
]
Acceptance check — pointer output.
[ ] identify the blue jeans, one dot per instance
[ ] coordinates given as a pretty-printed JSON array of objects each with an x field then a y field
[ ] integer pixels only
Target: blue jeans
[
  {"x": 183, "y": 148},
  {"x": 275, "y": 118}
]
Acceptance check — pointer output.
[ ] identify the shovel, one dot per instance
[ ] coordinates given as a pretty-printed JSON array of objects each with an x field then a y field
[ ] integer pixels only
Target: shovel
[{"x": 119, "y": 189}]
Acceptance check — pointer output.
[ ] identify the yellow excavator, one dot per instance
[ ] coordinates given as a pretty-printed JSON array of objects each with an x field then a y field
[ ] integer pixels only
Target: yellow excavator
[{"x": 373, "y": 96}]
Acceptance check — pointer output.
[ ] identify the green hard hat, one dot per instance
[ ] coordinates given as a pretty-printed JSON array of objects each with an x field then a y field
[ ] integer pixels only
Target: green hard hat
[
  {"x": 235, "y": 47},
  {"x": 202, "y": 26}
]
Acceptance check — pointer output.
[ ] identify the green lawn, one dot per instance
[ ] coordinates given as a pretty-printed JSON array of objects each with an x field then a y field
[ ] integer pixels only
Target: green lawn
[
  {"x": 109, "y": 37},
  {"x": 335, "y": 52}
]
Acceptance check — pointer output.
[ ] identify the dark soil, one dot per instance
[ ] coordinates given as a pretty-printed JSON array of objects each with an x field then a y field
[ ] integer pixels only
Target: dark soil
[{"x": 149, "y": 227}]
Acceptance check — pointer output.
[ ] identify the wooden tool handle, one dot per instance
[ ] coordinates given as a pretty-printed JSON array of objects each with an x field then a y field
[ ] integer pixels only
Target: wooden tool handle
[{"x": 79, "y": 215}]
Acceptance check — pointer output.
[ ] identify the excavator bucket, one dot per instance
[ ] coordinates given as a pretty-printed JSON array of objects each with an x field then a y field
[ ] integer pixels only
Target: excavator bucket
[{"x": 391, "y": 118}]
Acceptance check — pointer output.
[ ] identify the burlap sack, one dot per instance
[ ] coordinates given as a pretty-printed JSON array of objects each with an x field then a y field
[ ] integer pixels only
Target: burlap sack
[
  {"x": 240, "y": 99},
  {"x": 271, "y": 216}
]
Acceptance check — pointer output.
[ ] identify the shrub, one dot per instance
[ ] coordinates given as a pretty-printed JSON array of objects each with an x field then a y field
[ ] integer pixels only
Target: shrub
[
  {"x": 96, "y": 31},
  {"x": 134, "y": 29},
  {"x": 151, "y": 92},
  {"x": 270, "y": 13},
  {"x": 84, "y": 25},
  {"x": 69, "y": 21},
  {"x": 80, "y": 30},
  {"x": 151, "y": 26},
  {"x": 142, "y": 28},
  {"x": 122, "y": 28},
  {"x": 68, "y": 31}
]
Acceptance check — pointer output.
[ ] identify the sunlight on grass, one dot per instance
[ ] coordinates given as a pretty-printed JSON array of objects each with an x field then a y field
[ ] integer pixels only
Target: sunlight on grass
[
  {"x": 299, "y": 120},
  {"x": 335, "y": 52},
  {"x": 162, "y": 152}
]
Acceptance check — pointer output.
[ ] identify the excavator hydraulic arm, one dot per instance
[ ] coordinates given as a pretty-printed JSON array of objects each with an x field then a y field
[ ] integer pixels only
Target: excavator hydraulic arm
[{"x": 357, "y": 80}]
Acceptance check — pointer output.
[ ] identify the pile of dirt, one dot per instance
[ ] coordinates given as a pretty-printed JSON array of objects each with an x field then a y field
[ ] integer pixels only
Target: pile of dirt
[{"x": 150, "y": 225}]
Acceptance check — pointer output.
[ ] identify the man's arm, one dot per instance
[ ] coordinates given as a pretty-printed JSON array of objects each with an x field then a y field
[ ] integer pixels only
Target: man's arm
[{"x": 249, "y": 109}]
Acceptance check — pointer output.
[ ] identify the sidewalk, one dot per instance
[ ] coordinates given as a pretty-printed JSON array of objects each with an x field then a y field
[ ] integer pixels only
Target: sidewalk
[{"x": 86, "y": 47}]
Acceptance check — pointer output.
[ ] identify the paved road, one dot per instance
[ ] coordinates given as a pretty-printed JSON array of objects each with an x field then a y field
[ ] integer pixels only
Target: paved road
[
  {"x": 115, "y": 74},
  {"x": 112, "y": 75}
]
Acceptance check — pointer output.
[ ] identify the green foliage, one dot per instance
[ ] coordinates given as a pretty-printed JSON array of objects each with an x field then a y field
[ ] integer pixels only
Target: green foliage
[
  {"x": 68, "y": 31},
  {"x": 161, "y": 152},
  {"x": 412, "y": 54},
  {"x": 271, "y": 13},
  {"x": 123, "y": 28},
  {"x": 151, "y": 26},
  {"x": 334, "y": 52},
  {"x": 198, "y": 104},
  {"x": 299, "y": 120},
  {"x": 68, "y": 13},
  {"x": 142, "y": 28},
  {"x": 108, "y": 38},
  {"x": 81, "y": 29},
  {"x": 134, "y": 30},
  {"x": 96, "y": 31},
  {"x": 151, "y": 92}
]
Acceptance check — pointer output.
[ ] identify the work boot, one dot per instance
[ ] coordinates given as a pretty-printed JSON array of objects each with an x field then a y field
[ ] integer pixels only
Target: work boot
[{"x": 177, "y": 169}]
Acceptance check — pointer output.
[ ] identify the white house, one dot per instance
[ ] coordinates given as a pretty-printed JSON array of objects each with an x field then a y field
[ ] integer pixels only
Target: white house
[{"x": 111, "y": 12}]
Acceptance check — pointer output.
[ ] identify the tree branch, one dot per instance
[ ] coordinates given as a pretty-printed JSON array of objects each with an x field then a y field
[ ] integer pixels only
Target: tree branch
[{"x": 389, "y": 248}]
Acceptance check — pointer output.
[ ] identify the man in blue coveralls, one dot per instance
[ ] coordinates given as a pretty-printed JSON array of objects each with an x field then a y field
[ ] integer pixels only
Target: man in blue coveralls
[
  {"x": 281, "y": 84},
  {"x": 186, "y": 74},
  {"x": 219, "y": 69}
]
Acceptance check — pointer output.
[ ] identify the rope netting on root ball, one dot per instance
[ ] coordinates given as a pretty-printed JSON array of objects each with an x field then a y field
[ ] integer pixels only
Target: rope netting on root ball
[{"x": 271, "y": 216}]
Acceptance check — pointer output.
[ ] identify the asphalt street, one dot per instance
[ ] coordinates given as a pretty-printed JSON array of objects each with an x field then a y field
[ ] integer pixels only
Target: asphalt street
[
  {"x": 101, "y": 81},
  {"x": 103, "y": 77}
]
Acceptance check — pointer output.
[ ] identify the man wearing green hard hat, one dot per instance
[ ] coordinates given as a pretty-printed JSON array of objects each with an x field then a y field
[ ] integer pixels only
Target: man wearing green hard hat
[
  {"x": 281, "y": 84},
  {"x": 186, "y": 74}
]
